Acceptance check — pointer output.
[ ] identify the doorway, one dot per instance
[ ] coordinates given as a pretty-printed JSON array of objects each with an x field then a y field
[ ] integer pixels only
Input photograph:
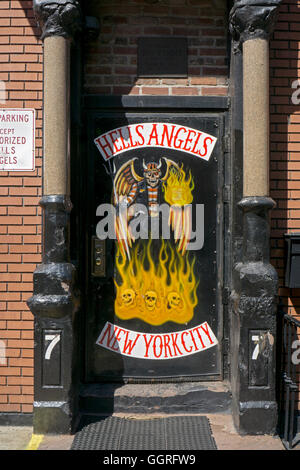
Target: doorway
[{"x": 153, "y": 229}]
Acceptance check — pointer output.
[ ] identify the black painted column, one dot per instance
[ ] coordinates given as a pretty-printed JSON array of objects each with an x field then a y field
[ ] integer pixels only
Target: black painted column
[
  {"x": 254, "y": 289},
  {"x": 54, "y": 302}
]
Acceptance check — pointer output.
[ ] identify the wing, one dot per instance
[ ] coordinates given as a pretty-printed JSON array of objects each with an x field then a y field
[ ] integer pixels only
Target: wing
[
  {"x": 126, "y": 181},
  {"x": 125, "y": 192},
  {"x": 170, "y": 165}
]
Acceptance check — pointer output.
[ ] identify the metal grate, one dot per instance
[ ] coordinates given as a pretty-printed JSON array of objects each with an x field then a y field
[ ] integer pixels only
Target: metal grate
[
  {"x": 171, "y": 433},
  {"x": 289, "y": 388}
]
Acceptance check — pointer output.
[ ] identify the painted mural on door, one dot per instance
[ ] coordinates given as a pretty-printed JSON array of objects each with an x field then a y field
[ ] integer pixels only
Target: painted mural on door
[
  {"x": 154, "y": 309},
  {"x": 152, "y": 204}
]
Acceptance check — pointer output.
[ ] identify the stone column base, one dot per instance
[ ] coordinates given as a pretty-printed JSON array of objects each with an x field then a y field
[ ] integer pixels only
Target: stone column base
[
  {"x": 253, "y": 326},
  {"x": 54, "y": 304}
]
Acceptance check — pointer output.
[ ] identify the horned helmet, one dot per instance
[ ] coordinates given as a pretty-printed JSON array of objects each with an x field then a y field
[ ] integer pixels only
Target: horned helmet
[{"x": 152, "y": 173}]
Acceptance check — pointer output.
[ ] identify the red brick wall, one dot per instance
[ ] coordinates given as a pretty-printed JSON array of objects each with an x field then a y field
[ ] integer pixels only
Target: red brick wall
[
  {"x": 285, "y": 139},
  {"x": 21, "y": 73},
  {"x": 111, "y": 60}
]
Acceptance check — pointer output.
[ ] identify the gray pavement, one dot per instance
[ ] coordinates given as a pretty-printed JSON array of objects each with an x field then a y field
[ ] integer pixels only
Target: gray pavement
[
  {"x": 226, "y": 437},
  {"x": 15, "y": 437}
]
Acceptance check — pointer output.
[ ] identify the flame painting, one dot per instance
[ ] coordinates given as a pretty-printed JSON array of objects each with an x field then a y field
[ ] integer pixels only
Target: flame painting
[{"x": 155, "y": 291}]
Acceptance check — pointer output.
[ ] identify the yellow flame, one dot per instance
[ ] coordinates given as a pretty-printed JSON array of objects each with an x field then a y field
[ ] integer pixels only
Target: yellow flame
[
  {"x": 155, "y": 291},
  {"x": 179, "y": 187}
]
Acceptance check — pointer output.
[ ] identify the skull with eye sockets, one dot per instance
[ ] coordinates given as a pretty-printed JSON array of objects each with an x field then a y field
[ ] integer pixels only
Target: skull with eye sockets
[
  {"x": 174, "y": 300},
  {"x": 150, "y": 299},
  {"x": 128, "y": 297}
]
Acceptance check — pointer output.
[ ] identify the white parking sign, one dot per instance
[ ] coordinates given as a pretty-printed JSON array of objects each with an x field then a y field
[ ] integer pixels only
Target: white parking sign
[{"x": 17, "y": 130}]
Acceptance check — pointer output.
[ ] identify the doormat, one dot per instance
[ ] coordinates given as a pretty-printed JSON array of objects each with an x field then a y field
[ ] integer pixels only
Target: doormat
[{"x": 171, "y": 433}]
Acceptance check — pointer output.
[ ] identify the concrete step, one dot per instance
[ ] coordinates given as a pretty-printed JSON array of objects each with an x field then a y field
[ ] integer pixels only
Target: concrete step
[{"x": 192, "y": 397}]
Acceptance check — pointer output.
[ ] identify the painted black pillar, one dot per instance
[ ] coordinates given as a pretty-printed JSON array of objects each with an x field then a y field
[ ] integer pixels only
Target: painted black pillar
[
  {"x": 254, "y": 283},
  {"x": 55, "y": 301}
]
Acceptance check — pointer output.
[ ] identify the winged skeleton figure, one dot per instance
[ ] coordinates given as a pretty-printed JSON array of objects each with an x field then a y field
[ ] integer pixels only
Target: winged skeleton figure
[{"x": 131, "y": 188}]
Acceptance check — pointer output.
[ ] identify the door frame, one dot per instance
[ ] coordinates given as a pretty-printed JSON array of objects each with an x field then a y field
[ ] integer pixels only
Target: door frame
[{"x": 93, "y": 104}]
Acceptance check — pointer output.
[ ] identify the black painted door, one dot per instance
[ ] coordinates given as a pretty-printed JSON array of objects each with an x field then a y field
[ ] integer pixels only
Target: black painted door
[{"x": 153, "y": 245}]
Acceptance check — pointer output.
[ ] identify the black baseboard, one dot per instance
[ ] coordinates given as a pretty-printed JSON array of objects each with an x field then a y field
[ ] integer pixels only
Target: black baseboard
[
  {"x": 16, "y": 419},
  {"x": 184, "y": 398}
]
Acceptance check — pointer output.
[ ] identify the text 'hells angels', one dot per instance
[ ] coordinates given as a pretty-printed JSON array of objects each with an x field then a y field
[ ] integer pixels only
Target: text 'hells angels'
[
  {"x": 156, "y": 346},
  {"x": 149, "y": 134}
]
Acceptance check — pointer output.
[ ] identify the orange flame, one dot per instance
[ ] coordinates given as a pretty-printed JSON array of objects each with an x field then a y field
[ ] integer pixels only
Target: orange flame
[
  {"x": 179, "y": 187},
  {"x": 155, "y": 291}
]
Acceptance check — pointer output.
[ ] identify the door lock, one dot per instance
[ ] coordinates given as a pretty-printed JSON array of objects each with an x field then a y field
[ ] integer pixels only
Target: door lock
[{"x": 98, "y": 257}]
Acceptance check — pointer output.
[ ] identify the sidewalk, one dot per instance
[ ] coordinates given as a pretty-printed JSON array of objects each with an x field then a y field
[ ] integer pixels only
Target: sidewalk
[{"x": 226, "y": 437}]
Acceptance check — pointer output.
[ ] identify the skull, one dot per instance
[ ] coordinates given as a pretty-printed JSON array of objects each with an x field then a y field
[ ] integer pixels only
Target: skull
[
  {"x": 150, "y": 299},
  {"x": 174, "y": 300},
  {"x": 128, "y": 297},
  {"x": 152, "y": 173}
]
